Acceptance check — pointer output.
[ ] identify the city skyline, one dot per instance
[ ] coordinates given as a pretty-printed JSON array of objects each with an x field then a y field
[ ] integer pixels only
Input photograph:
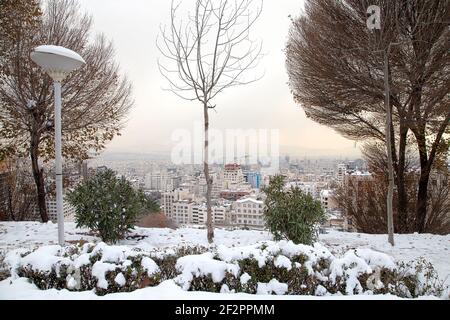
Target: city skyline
[{"x": 158, "y": 113}]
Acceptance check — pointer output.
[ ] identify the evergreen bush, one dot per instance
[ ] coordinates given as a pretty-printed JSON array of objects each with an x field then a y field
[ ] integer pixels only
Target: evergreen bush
[
  {"x": 108, "y": 205},
  {"x": 290, "y": 213}
]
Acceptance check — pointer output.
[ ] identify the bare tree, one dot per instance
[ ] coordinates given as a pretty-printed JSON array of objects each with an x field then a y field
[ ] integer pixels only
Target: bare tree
[
  {"x": 19, "y": 198},
  {"x": 363, "y": 198},
  {"x": 207, "y": 53},
  {"x": 437, "y": 220},
  {"x": 95, "y": 98}
]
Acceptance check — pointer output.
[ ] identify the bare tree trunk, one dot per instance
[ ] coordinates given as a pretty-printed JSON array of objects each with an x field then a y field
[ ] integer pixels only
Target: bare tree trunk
[
  {"x": 390, "y": 215},
  {"x": 422, "y": 192},
  {"x": 422, "y": 200},
  {"x": 426, "y": 163},
  {"x": 209, "y": 224},
  {"x": 10, "y": 206},
  {"x": 402, "y": 201},
  {"x": 38, "y": 175}
]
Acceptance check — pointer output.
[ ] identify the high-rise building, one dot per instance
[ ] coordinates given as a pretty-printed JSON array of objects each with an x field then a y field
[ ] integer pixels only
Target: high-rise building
[
  {"x": 341, "y": 172},
  {"x": 253, "y": 178},
  {"x": 232, "y": 175}
]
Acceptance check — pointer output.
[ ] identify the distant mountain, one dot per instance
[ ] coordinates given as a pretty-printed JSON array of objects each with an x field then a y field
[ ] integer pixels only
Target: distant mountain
[
  {"x": 111, "y": 156},
  {"x": 322, "y": 153},
  {"x": 293, "y": 151}
]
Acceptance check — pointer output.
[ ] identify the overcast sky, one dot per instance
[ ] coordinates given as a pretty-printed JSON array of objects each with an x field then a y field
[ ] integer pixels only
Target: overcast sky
[{"x": 133, "y": 26}]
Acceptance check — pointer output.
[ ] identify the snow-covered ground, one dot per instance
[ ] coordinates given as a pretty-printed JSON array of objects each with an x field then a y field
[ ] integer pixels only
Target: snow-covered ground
[
  {"x": 434, "y": 248},
  {"x": 13, "y": 235}
]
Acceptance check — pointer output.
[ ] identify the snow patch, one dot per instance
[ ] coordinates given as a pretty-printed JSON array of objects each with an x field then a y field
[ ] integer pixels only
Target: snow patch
[
  {"x": 99, "y": 270},
  {"x": 150, "y": 266},
  {"x": 203, "y": 265},
  {"x": 273, "y": 286},
  {"x": 283, "y": 262},
  {"x": 120, "y": 279},
  {"x": 245, "y": 278}
]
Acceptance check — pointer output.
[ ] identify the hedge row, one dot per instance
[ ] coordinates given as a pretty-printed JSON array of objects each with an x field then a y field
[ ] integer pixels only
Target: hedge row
[{"x": 262, "y": 269}]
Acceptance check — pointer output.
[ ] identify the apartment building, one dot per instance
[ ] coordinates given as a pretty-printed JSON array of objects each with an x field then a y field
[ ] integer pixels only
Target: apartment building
[
  {"x": 68, "y": 211},
  {"x": 189, "y": 212},
  {"x": 248, "y": 212},
  {"x": 232, "y": 175},
  {"x": 221, "y": 214},
  {"x": 161, "y": 181},
  {"x": 168, "y": 199},
  {"x": 182, "y": 211},
  {"x": 341, "y": 172}
]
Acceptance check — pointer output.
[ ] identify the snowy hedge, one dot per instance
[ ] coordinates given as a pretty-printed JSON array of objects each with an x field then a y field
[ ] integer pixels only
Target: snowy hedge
[
  {"x": 265, "y": 268},
  {"x": 101, "y": 267},
  {"x": 286, "y": 268}
]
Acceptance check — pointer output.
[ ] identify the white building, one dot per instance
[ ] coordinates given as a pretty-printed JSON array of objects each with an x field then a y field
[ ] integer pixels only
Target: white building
[
  {"x": 68, "y": 211},
  {"x": 231, "y": 179},
  {"x": 188, "y": 212},
  {"x": 181, "y": 207},
  {"x": 232, "y": 175},
  {"x": 169, "y": 198},
  {"x": 221, "y": 214},
  {"x": 310, "y": 188},
  {"x": 182, "y": 211},
  {"x": 248, "y": 212}
]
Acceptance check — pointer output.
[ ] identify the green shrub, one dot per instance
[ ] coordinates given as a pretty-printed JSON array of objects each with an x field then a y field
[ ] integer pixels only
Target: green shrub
[
  {"x": 55, "y": 278},
  {"x": 108, "y": 205},
  {"x": 291, "y": 214}
]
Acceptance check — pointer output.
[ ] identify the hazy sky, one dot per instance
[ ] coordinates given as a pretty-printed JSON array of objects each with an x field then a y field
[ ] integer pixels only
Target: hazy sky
[{"x": 133, "y": 26}]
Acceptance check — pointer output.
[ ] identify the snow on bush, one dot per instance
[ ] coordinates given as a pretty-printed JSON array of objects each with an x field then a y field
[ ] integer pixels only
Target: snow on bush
[
  {"x": 100, "y": 267},
  {"x": 283, "y": 261},
  {"x": 4, "y": 268},
  {"x": 274, "y": 286},
  {"x": 265, "y": 268},
  {"x": 197, "y": 266}
]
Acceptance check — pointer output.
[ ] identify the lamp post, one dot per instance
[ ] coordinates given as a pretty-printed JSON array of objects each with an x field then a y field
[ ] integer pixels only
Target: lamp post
[{"x": 58, "y": 62}]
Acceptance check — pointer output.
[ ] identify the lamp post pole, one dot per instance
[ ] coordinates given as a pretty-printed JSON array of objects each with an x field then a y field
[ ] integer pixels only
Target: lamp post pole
[
  {"x": 387, "y": 103},
  {"x": 58, "y": 62},
  {"x": 58, "y": 163}
]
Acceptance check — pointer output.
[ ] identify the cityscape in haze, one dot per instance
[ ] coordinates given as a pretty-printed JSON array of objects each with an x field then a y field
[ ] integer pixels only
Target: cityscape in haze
[
  {"x": 180, "y": 189},
  {"x": 232, "y": 150}
]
